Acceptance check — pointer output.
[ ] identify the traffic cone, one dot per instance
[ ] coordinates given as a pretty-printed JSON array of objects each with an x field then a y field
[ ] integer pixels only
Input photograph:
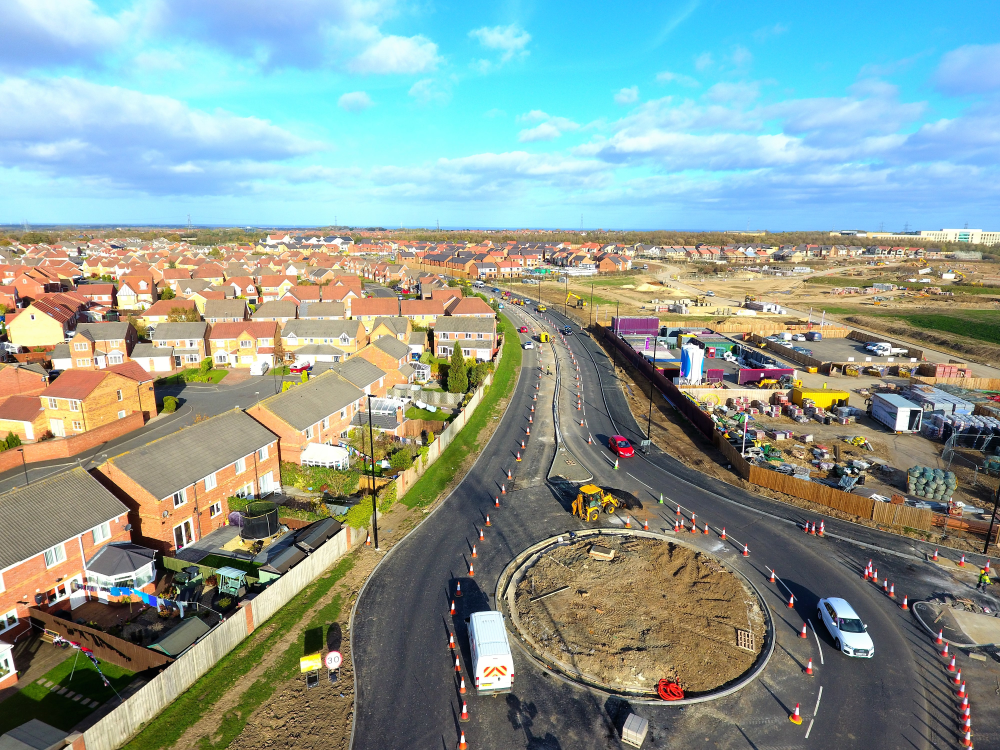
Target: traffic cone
[
  {"x": 496, "y": 503},
  {"x": 961, "y": 563},
  {"x": 940, "y": 637},
  {"x": 458, "y": 667},
  {"x": 957, "y": 680},
  {"x": 464, "y": 716},
  {"x": 875, "y": 575},
  {"x": 451, "y": 641},
  {"x": 488, "y": 520},
  {"x": 967, "y": 726},
  {"x": 628, "y": 522},
  {"x": 519, "y": 455},
  {"x": 531, "y": 419},
  {"x": 892, "y": 591},
  {"x": 796, "y": 717},
  {"x": 961, "y": 691},
  {"x": 678, "y": 510},
  {"x": 694, "y": 516},
  {"x": 677, "y": 525},
  {"x": 462, "y": 744},
  {"x": 472, "y": 571},
  {"x": 967, "y": 739},
  {"x": 474, "y": 551},
  {"x": 461, "y": 687},
  {"x": 578, "y": 406},
  {"x": 661, "y": 498},
  {"x": 951, "y": 664},
  {"x": 791, "y": 601},
  {"x": 706, "y": 529},
  {"x": 723, "y": 534},
  {"x": 581, "y": 424},
  {"x": 809, "y": 667},
  {"x": 645, "y": 525},
  {"x": 508, "y": 474},
  {"x": 885, "y": 586},
  {"x": 944, "y": 651},
  {"x": 806, "y": 527},
  {"x": 503, "y": 491},
  {"x": 616, "y": 464},
  {"x": 458, "y": 589},
  {"x": 452, "y": 606},
  {"x": 368, "y": 541},
  {"x": 694, "y": 526},
  {"x": 590, "y": 440},
  {"x": 522, "y": 445},
  {"x": 934, "y": 557},
  {"x": 813, "y": 529},
  {"x": 527, "y": 431},
  {"x": 906, "y": 604},
  {"x": 481, "y": 537},
  {"x": 804, "y": 633},
  {"x": 964, "y": 705},
  {"x": 772, "y": 577},
  {"x": 987, "y": 566},
  {"x": 746, "y": 551},
  {"x": 865, "y": 576},
  {"x": 822, "y": 528}
]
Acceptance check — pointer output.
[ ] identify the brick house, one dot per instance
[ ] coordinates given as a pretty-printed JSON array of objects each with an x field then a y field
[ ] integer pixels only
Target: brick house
[
  {"x": 177, "y": 487},
  {"x": 368, "y": 309},
  {"x": 273, "y": 287},
  {"x": 24, "y": 416},
  {"x": 348, "y": 336},
  {"x": 136, "y": 291},
  {"x": 82, "y": 400},
  {"x": 398, "y": 328},
  {"x": 322, "y": 311},
  {"x": 476, "y": 336},
  {"x": 226, "y": 310},
  {"x": 392, "y": 356},
  {"x": 361, "y": 372},
  {"x": 278, "y": 311},
  {"x": 470, "y": 307},
  {"x": 44, "y": 322},
  {"x": 318, "y": 411},
  {"x": 188, "y": 340},
  {"x": 243, "y": 344},
  {"x": 161, "y": 310},
  {"x": 22, "y": 380},
  {"x": 100, "y": 294},
  {"x": 97, "y": 346},
  {"x": 422, "y": 312},
  {"x": 44, "y": 544}
]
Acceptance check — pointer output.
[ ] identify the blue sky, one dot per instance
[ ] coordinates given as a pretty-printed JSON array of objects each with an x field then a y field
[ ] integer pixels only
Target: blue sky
[{"x": 676, "y": 114}]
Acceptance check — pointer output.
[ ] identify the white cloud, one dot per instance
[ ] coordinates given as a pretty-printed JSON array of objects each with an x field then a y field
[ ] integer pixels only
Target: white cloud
[
  {"x": 54, "y": 32},
  {"x": 545, "y": 131},
  {"x": 397, "y": 54},
  {"x": 121, "y": 138},
  {"x": 510, "y": 41},
  {"x": 627, "y": 96},
  {"x": 740, "y": 56},
  {"x": 428, "y": 91},
  {"x": 704, "y": 61},
  {"x": 355, "y": 101},
  {"x": 667, "y": 77},
  {"x": 548, "y": 129},
  {"x": 972, "y": 69},
  {"x": 769, "y": 32},
  {"x": 740, "y": 93}
]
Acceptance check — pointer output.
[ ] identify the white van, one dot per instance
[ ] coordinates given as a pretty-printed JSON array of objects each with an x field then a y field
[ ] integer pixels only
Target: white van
[
  {"x": 260, "y": 367},
  {"x": 478, "y": 284},
  {"x": 492, "y": 662}
]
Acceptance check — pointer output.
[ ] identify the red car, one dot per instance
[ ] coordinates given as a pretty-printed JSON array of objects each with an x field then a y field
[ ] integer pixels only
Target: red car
[
  {"x": 522, "y": 329},
  {"x": 621, "y": 446},
  {"x": 298, "y": 368}
]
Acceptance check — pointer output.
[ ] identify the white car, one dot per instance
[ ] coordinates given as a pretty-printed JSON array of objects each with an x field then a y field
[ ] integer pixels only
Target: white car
[
  {"x": 849, "y": 634},
  {"x": 529, "y": 345},
  {"x": 798, "y": 337}
]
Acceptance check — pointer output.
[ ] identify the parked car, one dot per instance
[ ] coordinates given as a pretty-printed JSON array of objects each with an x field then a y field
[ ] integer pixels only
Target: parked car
[
  {"x": 522, "y": 329},
  {"x": 259, "y": 368},
  {"x": 849, "y": 633},
  {"x": 620, "y": 446},
  {"x": 529, "y": 345},
  {"x": 803, "y": 350}
]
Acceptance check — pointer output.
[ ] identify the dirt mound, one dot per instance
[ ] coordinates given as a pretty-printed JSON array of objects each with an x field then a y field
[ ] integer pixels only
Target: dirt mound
[{"x": 656, "y": 610}]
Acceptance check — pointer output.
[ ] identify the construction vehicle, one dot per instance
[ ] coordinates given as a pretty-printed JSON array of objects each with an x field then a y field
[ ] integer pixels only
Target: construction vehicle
[
  {"x": 541, "y": 308},
  {"x": 592, "y": 499},
  {"x": 580, "y": 301},
  {"x": 749, "y": 298},
  {"x": 543, "y": 338}
]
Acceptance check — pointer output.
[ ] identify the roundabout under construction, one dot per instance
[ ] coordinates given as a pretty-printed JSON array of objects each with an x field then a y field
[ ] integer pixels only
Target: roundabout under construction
[{"x": 636, "y": 614}]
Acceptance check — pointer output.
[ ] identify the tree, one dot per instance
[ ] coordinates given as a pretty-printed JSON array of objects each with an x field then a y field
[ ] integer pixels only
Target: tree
[
  {"x": 215, "y": 253},
  {"x": 183, "y": 315},
  {"x": 12, "y": 441},
  {"x": 458, "y": 378},
  {"x": 478, "y": 373},
  {"x": 167, "y": 293},
  {"x": 138, "y": 325}
]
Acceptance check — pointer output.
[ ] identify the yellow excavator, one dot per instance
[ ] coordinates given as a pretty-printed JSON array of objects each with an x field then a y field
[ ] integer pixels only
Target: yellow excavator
[
  {"x": 592, "y": 499},
  {"x": 579, "y": 303}
]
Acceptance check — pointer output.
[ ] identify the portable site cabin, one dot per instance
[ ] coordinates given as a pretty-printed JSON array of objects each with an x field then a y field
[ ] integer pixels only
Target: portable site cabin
[{"x": 896, "y": 413}]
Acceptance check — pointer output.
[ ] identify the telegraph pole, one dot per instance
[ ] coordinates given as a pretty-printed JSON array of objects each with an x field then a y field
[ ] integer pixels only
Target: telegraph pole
[{"x": 371, "y": 438}]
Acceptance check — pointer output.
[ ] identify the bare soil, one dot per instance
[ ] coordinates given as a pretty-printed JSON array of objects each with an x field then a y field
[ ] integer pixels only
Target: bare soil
[{"x": 656, "y": 610}]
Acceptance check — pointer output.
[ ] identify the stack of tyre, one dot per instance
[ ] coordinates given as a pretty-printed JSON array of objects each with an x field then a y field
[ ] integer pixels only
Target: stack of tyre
[{"x": 933, "y": 484}]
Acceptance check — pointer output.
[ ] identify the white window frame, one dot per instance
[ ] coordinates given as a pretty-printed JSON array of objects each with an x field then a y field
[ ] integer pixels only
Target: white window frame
[
  {"x": 75, "y": 403},
  {"x": 101, "y": 532},
  {"x": 8, "y": 621},
  {"x": 121, "y": 396},
  {"x": 210, "y": 483},
  {"x": 53, "y": 403},
  {"x": 122, "y": 414},
  {"x": 55, "y": 551},
  {"x": 77, "y": 425},
  {"x": 326, "y": 423},
  {"x": 81, "y": 346},
  {"x": 241, "y": 465},
  {"x": 179, "y": 498},
  {"x": 215, "y": 509},
  {"x": 262, "y": 453}
]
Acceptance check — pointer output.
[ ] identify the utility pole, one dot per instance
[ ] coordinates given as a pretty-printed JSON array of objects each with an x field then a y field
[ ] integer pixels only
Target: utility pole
[
  {"x": 993, "y": 518},
  {"x": 371, "y": 439},
  {"x": 592, "y": 305},
  {"x": 649, "y": 417}
]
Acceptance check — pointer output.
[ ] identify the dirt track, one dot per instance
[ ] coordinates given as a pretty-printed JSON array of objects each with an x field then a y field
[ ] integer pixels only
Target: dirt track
[{"x": 656, "y": 610}]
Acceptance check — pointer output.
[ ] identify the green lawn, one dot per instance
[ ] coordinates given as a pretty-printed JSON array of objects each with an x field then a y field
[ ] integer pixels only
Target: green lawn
[
  {"x": 38, "y": 702},
  {"x": 200, "y": 698},
  {"x": 434, "y": 480},
  {"x": 435, "y": 416},
  {"x": 983, "y": 325},
  {"x": 193, "y": 375}
]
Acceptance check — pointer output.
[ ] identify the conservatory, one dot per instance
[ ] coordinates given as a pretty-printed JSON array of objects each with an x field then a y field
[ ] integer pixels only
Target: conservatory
[{"x": 119, "y": 567}]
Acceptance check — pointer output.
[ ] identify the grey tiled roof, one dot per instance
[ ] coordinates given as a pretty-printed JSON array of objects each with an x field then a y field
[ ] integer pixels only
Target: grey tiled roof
[
  {"x": 52, "y": 510},
  {"x": 182, "y": 458},
  {"x": 379, "y": 421},
  {"x": 418, "y": 337},
  {"x": 103, "y": 331},
  {"x": 276, "y": 309},
  {"x": 325, "y": 310},
  {"x": 318, "y": 350},
  {"x": 396, "y": 324},
  {"x": 177, "y": 331},
  {"x": 393, "y": 347},
  {"x": 306, "y": 404},
  {"x": 463, "y": 324},
  {"x": 119, "y": 558},
  {"x": 148, "y": 350},
  {"x": 359, "y": 371},
  {"x": 320, "y": 329},
  {"x": 225, "y": 308}
]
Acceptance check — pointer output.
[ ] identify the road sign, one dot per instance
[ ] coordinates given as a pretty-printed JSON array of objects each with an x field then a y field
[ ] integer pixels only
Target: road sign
[
  {"x": 334, "y": 660},
  {"x": 310, "y": 662}
]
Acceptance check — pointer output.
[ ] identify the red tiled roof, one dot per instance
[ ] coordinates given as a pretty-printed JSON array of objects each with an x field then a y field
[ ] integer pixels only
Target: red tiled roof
[
  {"x": 421, "y": 307},
  {"x": 381, "y": 306},
  {"x": 470, "y": 306},
  {"x": 75, "y": 384},
  {"x": 233, "y": 330},
  {"x": 131, "y": 370},
  {"x": 164, "y": 306},
  {"x": 20, "y": 408}
]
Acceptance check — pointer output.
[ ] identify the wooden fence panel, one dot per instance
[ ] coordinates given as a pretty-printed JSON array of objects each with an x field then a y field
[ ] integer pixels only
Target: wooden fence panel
[
  {"x": 902, "y": 515},
  {"x": 812, "y": 491},
  {"x": 740, "y": 465}
]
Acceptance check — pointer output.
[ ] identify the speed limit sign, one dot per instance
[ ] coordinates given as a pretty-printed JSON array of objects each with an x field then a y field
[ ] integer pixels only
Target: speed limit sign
[{"x": 334, "y": 660}]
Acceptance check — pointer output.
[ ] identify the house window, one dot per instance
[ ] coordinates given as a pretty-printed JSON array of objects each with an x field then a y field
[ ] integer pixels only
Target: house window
[
  {"x": 326, "y": 423},
  {"x": 55, "y": 555},
  {"x": 122, "y": 414},
  {"x": 266, "y": 483},
  {"x": 241, "y": 465},
  {"x": 262, "y": 454},
  {"x": 8, "y": 620},
  {"x": 245, "y": 491},
  {"x": 53, "y": 404},
  {"x": 77, "y": 426},
  {"x": 83, "y": 363},
  {"x": 214, "y": 510},
  {"x": 74, "y": 405},
  {"x": 81, "y": 346},
  {"x": 191, "y": 344},
  {"x": 309, "y": 432},
  {"x": 115, "y": 359},
  {"x": 119, "y": 394},
  {"x": 101, "y": 533},
  {"x": 210, "y": 482},
  {"x": 180, "y": 497},
  {"x": 245, "y": 343}
]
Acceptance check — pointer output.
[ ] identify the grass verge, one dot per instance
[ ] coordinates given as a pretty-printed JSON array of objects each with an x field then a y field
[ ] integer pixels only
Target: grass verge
[
  {"x": 434, "y": 480},
  {"x": 37, "y": 702},
  {"x": 193, "y": 375},
  {"x": 167, "y": 728}
]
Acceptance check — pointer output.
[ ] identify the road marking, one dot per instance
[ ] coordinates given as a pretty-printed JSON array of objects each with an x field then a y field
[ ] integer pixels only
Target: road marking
[
  {"x": 810, "y": 728},
  {"x": 818, "y": 698},
  {"x": 641, "y": 482},
  {"x": 818, "y": 646}
]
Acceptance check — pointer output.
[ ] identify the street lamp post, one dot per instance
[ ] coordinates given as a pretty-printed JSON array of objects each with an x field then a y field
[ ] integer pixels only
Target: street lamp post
[
  {"x": 24, "y": 466},
  {"x": 592, "y": 306},
  {"x": 371, "y": 440},
  {"x": 649, "y": 417},
  {"x": 993, "y": 518}
]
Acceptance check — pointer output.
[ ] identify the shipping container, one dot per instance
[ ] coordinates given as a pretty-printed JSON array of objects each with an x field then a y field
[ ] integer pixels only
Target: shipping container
[
  {"x": 896, "y": 413},
  {"x": 823, "y": 398},
  {"x": 635, "y": 326}
]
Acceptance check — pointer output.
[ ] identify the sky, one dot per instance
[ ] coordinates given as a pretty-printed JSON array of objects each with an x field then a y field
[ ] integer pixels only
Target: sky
[{"x": 677, "y": 114}]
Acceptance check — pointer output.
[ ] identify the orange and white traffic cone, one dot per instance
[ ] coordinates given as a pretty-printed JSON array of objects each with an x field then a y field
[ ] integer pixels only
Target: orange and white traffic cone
[
  {"x": 772, "y": 577},
  {"x": 452, "y": 606},
  {"x": 964, "y": 707},
  {"x": 451, "y": 641},
  {"x": 723, "y": 534},
  {"x": 746, "y": 551},
  {"x": 957, "y": 680},
  {"x": 706, "y": 529},
  {"x": 645, "y": 525},
  {"x": 590, "y": 440},
  {"x": 892, "y": 591},
  {"x": 678, "y": 510},
  {"x": 496, "y": 502},
  {"x": 885, "y": 586},
  {"x": 488, "y": 520},
  {"x": 967, "y": 739},
  {"x": 461, "y": 687},
  {"x": 791, "y": 601},
  {"x": 944, "y": 651},
  {"x": 464, "y": 716},
  {"x": 806, "y": 527},
  {"x": 967, "y": 725},
  {"x": 368, "y": 541},
  {"x": 812, "y": 530},
  {"x": 822, "y": 528},
  {"x": 796, "y": 717},
  {"x": 961, "y": 691},
  {"x": 677, "y": 525},
  {"x": 462, "y": 744},
  {"x": 906, "y": 604},
  {"x": 472, "y": 570},
  {"x": 628, "y": 522},
  {"x": 875, "y": 576},
  {"x": 474, "y": 551},
  {"x": 809, "y": 667},
  {"x": 581, "y": 423},
  {"x": 961, "y": 563},
  {"x": 503, "y": 491},
  {"x": 508, "y": 474},
  {"x": 951, "y": 664},
  {"x": 527, "y": 431},
  {"x": 458, "y": 589},
  {"x": 458, "y": 667},
  {"x": 522, "y": 445},
  {"x": 804, "y": 633},
  {"x": 934, "y": 557},
  {"x": 865, "y": 576},
  {"x": 481, "y": 537}
]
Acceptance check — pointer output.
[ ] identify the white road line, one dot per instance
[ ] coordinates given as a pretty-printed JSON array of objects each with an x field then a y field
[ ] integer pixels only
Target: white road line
[
  {"x": 641, "y": 482},
  {"x": 818, "y": 697},
  {"x": 819, "y": 647},
  {"x": 810, "y": 728}
]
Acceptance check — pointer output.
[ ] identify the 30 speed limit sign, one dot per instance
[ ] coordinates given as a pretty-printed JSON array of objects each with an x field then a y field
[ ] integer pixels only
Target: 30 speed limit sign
[{"x": 334, "y": 660}]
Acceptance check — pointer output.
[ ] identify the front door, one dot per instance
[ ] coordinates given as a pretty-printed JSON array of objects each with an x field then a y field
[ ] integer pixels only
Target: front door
[
  {"x": 183, "y": 534},
  {"x": 77, "y": 593}
]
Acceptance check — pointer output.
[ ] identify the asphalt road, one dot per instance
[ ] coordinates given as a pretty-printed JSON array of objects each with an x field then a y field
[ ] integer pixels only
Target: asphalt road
[{"x": 407, "y": 687}]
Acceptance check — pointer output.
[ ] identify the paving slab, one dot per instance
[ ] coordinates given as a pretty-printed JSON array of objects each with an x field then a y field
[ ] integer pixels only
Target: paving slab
[{"x": 981, "y": 629}]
